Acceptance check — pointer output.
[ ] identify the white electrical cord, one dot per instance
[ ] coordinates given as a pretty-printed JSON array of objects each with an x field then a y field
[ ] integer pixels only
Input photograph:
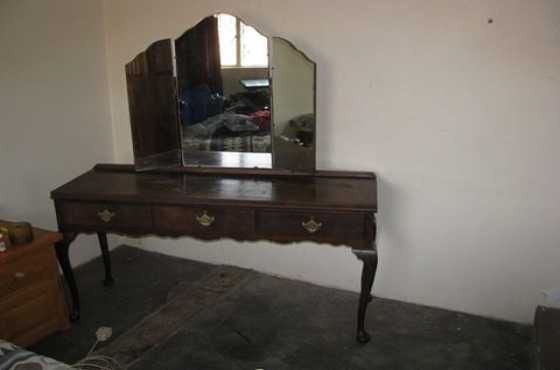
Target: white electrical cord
[{"x": 98, "y": 362}]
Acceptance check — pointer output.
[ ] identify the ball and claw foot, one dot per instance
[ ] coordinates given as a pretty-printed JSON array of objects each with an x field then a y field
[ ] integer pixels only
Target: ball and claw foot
[{"x": 363, "y": 337}]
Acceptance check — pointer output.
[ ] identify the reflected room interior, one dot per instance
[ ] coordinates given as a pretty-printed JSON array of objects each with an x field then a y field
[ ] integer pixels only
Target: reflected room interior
[
  {"x": 224, "y": 92},
  {"x": 294, "y": 123},
  {"x": 223, "y": 95}
]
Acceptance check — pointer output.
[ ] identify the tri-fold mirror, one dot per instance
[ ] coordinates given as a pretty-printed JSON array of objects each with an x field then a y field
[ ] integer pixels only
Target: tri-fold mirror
[{"x": 224, "y": 95}]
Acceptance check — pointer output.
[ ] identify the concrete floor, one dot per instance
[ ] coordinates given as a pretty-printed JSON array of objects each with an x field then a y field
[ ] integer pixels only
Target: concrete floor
[{"x": 170, "y": 313}]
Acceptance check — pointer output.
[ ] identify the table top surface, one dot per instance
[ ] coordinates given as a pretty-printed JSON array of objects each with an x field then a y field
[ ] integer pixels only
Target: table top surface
[{"x": 325, "y": 189}]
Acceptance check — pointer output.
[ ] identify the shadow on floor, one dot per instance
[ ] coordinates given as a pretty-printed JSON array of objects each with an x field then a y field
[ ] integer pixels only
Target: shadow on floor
[{"x": 170, "y": 313}]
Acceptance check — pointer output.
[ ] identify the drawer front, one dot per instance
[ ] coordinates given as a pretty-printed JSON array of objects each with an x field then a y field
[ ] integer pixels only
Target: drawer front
[
  {"x": 27, "y": 271},
  {"x": 333, "y": 228},
  {"x": 106, "y": 215},
  {"x": 32, "y": 314},
  {"x": 206, "y": 223}
]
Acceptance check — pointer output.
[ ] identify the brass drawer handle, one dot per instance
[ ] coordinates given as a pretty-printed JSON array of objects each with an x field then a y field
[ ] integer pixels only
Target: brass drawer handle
[
  {"x": 19, "y": 275},
  {"x": 106, "y": 215},
  {"x": 205, "y": 220},
  {"x": 312, "y": 226}
]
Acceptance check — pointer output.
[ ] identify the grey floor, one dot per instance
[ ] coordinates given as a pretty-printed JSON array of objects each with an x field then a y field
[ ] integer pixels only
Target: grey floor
[{"x": 170, "y": 313}]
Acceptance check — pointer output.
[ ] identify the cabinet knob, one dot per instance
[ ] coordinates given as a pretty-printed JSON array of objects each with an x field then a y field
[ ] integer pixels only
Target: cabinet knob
[
  {"x": 205, "y": 220},
  {"x": 311, "y": 225},
  {"x": 106, "y": 215}
]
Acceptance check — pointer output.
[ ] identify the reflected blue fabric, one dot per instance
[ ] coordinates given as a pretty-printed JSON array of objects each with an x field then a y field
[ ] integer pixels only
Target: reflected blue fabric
[{"x": 199, "y": 103}]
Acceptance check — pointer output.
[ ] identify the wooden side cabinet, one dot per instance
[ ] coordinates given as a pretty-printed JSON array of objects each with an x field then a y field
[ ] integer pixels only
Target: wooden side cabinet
[{"x": 32, "y": 302}]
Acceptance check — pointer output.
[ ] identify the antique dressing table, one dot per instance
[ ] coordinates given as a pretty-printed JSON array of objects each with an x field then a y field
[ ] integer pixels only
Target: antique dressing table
[{"x": 252, "y": 178}]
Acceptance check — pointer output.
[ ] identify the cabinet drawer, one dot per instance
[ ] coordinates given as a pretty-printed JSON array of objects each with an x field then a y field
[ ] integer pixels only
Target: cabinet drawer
[
  {"x": 204, "y": 222},
  {"x": 32, "y": 313},
  {"x": 106, "y": 215},
  {"x": 335, "y": 228},
  {"x": 28, "y": 270}
]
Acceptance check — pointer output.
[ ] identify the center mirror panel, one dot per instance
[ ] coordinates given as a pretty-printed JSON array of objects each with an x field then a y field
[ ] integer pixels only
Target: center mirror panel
[{"x": 224, "y": 94}]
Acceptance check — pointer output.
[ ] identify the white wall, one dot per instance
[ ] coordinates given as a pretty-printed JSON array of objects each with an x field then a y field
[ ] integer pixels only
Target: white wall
[
  {"x": 55, "y": 120},
  {"x": 459, "y": 117}
]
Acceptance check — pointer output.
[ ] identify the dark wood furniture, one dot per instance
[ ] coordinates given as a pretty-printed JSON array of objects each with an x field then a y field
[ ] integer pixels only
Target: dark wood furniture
[
  {"x": 336, "y": 208},
  {"x": 547, "y": 333},
  {"x": 31, "y": 297}
]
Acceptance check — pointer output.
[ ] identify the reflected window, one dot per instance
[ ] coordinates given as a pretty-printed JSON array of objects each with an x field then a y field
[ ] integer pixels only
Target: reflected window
[{"x": 240, "y": 44}]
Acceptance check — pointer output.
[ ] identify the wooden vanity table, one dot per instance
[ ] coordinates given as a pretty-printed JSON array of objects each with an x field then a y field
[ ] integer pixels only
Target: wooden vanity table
[
  {"x": 336, "y": 208},
  {"x": 215, "y": 158}
]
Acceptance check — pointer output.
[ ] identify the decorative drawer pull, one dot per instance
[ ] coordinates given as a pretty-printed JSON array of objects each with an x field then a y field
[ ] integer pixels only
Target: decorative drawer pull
[
  {"x": 106, "y": 215},
  {"x": 312, "y": 226},
  {"x": 19, "y": 275},
  {"x": 205, "y": 220}
]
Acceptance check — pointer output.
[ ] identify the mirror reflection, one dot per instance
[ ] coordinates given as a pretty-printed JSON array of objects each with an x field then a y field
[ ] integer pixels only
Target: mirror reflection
[
  {"x": 294, "y": 107},
  {"x": 224, "y": 94}
]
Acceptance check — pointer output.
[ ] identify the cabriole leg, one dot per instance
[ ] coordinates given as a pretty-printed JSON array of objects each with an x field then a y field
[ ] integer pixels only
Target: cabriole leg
[
  {"x": 62, "y": 249},
  {"x": 104, "y": 245},
  {"x": 369, "y": 258}
]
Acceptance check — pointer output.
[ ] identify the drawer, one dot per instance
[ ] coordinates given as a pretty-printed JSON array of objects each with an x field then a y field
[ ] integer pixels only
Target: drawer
[
  {"x": 334, "y": 228},
  {"x": 28, "y": 270},
  {"x": 204, "y": 222},
  {"x": 106, "y": 215},
  {"x": 32, "y": 314}
]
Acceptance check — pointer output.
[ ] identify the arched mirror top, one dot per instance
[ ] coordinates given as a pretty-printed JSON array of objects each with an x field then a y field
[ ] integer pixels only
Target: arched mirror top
[{"x": 223, "y": 94}]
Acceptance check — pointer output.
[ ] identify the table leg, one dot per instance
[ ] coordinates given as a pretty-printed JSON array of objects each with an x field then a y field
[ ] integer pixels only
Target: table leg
[
  {"x": 62, "y": 249},
  {"x": 369, "y": 258},
  {"x": 104, "y": 245}
]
